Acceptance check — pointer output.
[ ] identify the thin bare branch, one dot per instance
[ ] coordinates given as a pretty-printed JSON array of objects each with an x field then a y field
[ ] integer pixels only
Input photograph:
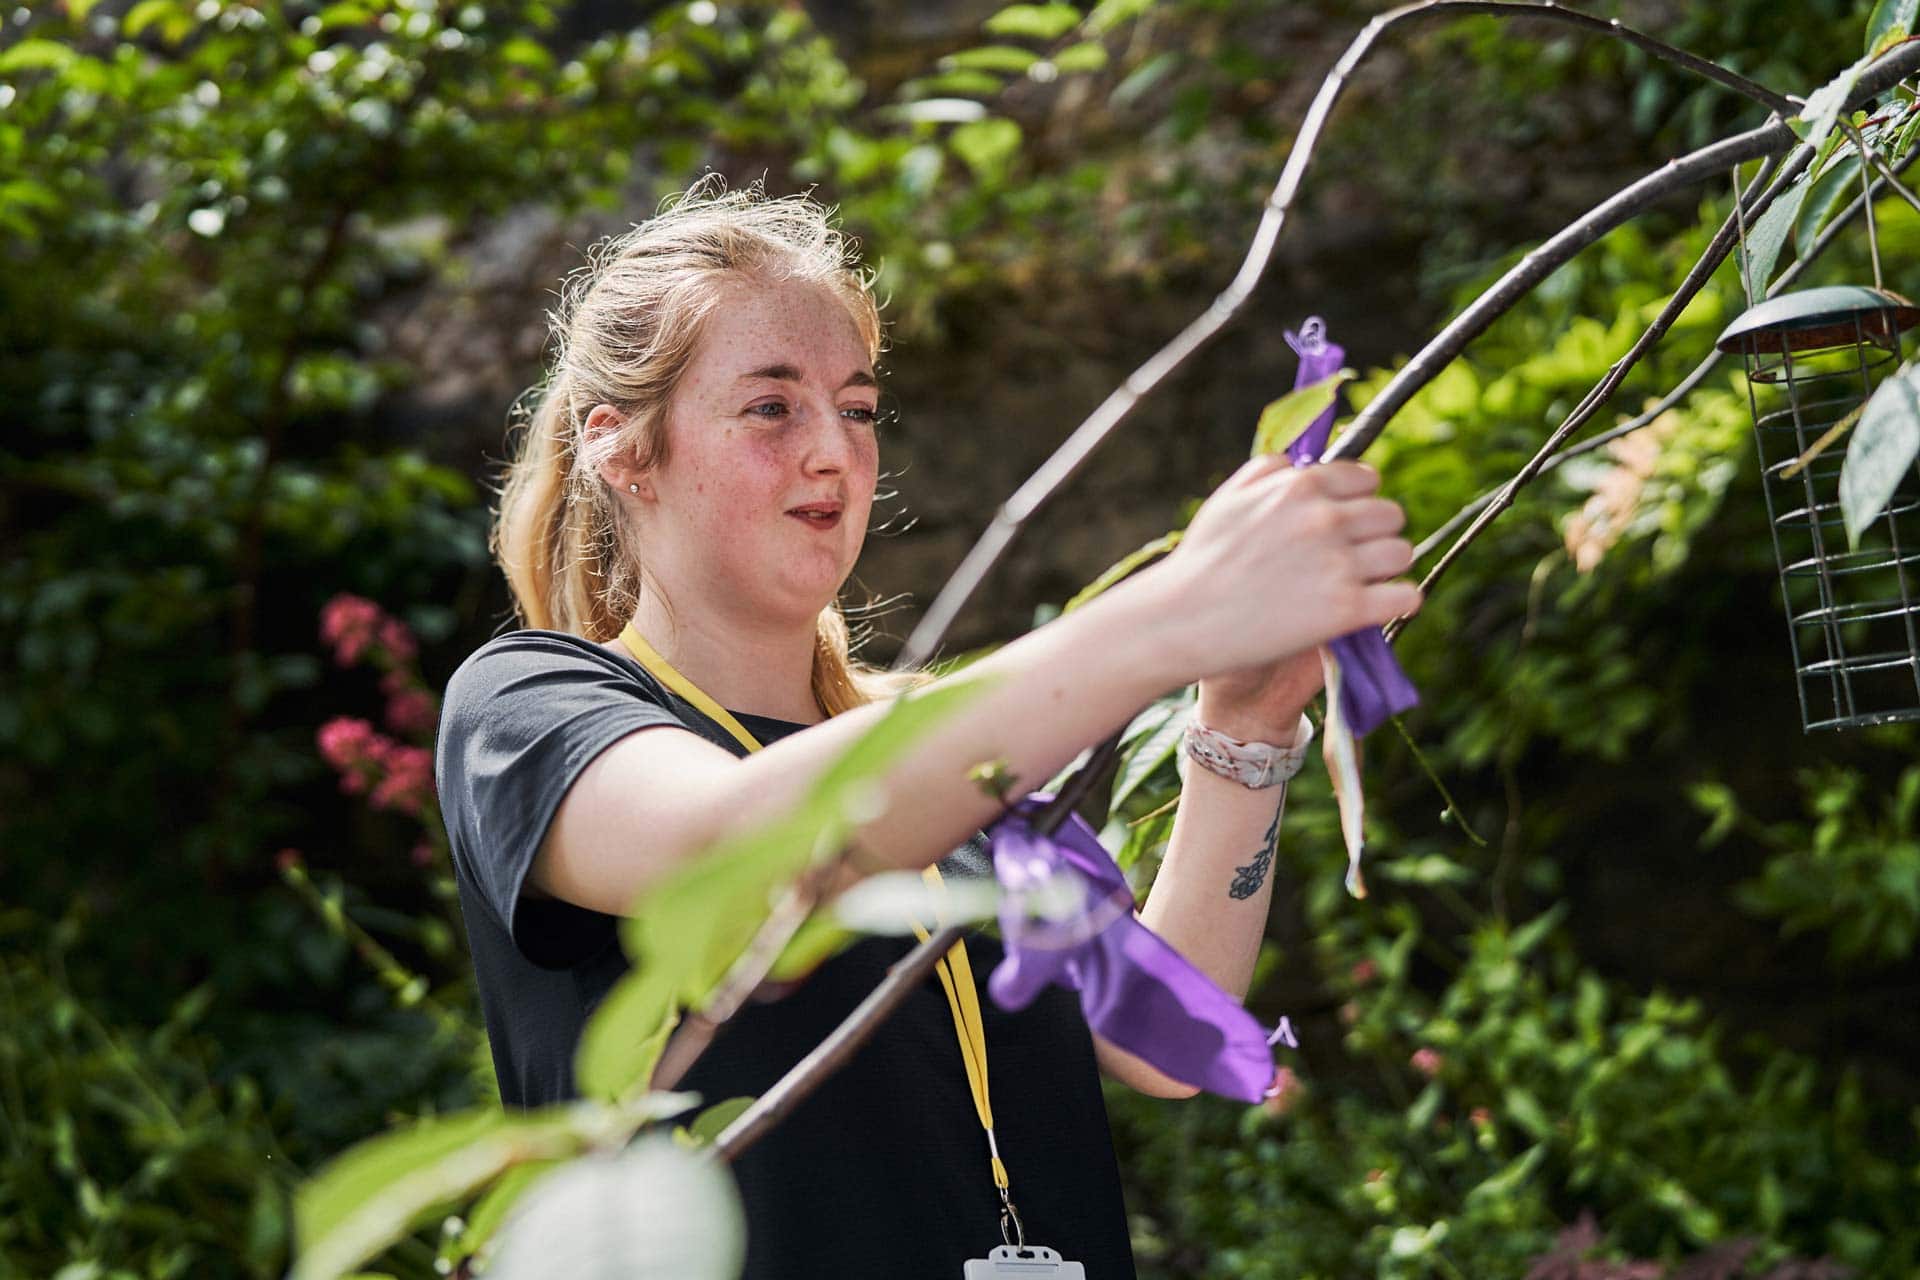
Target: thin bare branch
[
  {"x": 1696, "y": 279},
  {"x": 1769, "y": 139},
  {"x": 1680, "y": 392}
]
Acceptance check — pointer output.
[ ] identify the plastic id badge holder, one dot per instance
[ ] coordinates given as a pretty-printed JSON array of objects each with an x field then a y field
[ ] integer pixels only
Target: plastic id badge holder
[{"x": 1023, "y": 1262}]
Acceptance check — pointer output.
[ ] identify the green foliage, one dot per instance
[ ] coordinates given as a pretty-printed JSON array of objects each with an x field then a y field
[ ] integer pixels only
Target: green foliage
[
  {"x": 1529, "y": 1086},
  {"x": 1851, "y": 872},
  {"x": 117, "y": 1150},
  {"x": 1890, "y": 22}
]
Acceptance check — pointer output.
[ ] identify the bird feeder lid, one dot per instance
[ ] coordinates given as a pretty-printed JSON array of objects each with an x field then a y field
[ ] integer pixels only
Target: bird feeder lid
[{"x": 1834, "y": 315}]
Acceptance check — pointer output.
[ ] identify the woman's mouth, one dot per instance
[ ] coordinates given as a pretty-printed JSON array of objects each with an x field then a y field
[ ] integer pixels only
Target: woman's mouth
[{"x": 817, "y": 515}]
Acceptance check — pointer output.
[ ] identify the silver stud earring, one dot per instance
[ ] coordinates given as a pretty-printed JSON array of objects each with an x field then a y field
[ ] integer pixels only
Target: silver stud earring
[{"x": 633, "y": 488}]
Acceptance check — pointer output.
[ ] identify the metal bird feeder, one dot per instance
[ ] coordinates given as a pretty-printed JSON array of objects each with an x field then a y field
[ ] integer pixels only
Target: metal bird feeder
[{"x": 1813, "y": 358}]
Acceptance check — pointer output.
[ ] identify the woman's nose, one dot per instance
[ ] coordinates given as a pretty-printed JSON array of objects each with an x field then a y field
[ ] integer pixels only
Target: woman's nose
[{"x": 828, "y": 450}]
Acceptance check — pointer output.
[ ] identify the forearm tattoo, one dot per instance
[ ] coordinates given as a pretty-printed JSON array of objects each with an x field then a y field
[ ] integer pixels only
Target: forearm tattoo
[{"x": 1248, "y": 879}]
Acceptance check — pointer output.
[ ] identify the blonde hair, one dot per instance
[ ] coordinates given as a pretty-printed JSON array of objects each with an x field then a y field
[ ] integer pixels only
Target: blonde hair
[{"x": 628, "y": 323}]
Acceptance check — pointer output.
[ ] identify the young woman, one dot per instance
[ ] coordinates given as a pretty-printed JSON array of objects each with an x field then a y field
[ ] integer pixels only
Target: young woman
[{"x": 683, "y": 510}]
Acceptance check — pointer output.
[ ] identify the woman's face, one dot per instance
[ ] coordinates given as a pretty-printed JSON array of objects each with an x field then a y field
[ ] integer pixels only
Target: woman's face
[{"x": 771, "y": 457}]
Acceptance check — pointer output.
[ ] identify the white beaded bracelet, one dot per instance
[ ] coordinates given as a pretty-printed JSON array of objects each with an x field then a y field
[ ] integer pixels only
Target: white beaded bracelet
[{"x": 1254, "y": 765}]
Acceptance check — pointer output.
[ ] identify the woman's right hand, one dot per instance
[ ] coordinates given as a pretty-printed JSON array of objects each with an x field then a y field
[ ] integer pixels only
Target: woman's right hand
[{"x": 1282, "y": 559}]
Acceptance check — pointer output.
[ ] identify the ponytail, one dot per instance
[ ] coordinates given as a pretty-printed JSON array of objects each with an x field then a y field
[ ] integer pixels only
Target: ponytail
[{"x": 556, "y": 539}]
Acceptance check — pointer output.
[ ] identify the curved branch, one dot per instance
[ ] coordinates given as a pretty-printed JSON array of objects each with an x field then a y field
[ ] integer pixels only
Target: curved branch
[
  {"x": 1101, "y": 423},
  {"x": 1769, "y": 139},
  {"x": 773, "y": 1106},
  {"x": 1680, "y": 391},
  {"x": 1590, "y": 404}
]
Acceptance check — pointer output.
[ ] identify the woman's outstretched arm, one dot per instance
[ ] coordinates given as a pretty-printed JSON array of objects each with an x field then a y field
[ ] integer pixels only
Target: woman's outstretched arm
[{"x": 1276, "y": 562}]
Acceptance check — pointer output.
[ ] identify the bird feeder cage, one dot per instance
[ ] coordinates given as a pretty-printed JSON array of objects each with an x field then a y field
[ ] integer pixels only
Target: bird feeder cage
[{"x": 1853, "y": 613}]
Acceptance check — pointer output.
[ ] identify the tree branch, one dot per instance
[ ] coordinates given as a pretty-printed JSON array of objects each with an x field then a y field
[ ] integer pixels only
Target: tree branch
[
  {"x": 1680, "y": 392},
  {"x": 1769, "y": 139},
  {"x": 1590, "y": 404},
  {"x": 1013, "y": 515}
]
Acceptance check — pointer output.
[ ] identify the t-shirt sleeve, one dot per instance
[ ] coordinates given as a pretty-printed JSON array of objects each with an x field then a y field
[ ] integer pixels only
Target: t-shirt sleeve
[{"x": 522, "y": 718}]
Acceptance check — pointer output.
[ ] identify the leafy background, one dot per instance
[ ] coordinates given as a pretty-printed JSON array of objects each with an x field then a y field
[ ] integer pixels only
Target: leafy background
[{"x": 275, "y": 273}]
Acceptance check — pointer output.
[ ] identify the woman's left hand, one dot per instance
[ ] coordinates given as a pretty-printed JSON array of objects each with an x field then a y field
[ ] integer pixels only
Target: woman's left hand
[{"x": 1261, "y": 704}]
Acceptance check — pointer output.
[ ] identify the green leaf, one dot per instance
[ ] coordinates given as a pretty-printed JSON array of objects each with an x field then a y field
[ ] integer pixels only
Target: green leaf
[
  {"x": 1109, "y": 14},
  {"x": 986, "y": 146},
  {"x": 491, "y": 1211},
  {"x": 371, "y": 1196},
  {"x": 818, "y": 940},
  {"x": 1151, "y": 754},
  {"x": 1428, "y": 869},
  {"x": 709, "y": 1124},
  {"x": 1144, "y": 77},
  {"x": 1089, "y": 55},
  {"x": 1504, "y": 1183},
  {"x": 1288, "y": 416},
  {"x": 626, "y": 1034},
  {"x": 992, "y": 57},
  {"x": 1766, "y": 237},
  {"x": 909, "y": 719},
  {"x": 1535, "y": 931},
  {"x": 1903, "y": 140},
  {"x": 1822, "y": 111},
  {"x": 144, "y": 15},
  {"x": 1881, "y": 453},
  {"x": 1034, "y": 21},
  {"x": 37, "y": 55},
  {"x": 1525, "y": 1110},
  {"x": 523, "y": 51},
  {"x": 1890, "y": 23},
  {"x": 26, "y": 192},
  {"x": 1826, "y": 195},
  {"x": 1122, "y": 567}
]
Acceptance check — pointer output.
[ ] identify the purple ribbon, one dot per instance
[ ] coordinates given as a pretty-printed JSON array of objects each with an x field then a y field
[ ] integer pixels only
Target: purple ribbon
[
  {"x": 1372, "y": 685},
  {"x": 1135, "y": 989}
]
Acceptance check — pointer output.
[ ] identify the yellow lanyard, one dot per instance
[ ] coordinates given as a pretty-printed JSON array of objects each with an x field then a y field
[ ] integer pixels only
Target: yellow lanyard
[{"x": 956, "y": 975}]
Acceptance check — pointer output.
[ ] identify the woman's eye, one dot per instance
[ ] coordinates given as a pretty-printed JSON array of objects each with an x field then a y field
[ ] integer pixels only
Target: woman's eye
[
  {"x": 860, "y": 413},
  {"x": 771, "y": 409}
]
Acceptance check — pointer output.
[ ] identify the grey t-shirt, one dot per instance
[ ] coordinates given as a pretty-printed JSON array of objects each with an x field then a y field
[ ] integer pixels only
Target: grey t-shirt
[{"x": 886, "y": 1164}]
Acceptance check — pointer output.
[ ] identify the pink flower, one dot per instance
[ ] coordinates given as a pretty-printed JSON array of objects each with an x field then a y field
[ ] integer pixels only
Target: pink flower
[
  {"x": 1363, "y": 973},
  {"x": 347, "y": 743},
  {"x": 411, "y": 712},
  {"x": 398, "y": 642},
  {"x": 1285, "y": 1093},
  {"x": 408, "y": 784},
  {"x": 348, "y": 623},
  {"x": 1427, "y": 1062},
  {"x": 424, "y": 854}
]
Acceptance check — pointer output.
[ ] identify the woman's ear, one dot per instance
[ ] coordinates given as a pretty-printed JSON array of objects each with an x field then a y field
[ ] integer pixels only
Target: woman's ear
[{"x": 622, "y": 471}]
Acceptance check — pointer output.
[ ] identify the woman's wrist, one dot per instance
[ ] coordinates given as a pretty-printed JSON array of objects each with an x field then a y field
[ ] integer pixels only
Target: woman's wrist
[{"x": 1277, "y": 725}]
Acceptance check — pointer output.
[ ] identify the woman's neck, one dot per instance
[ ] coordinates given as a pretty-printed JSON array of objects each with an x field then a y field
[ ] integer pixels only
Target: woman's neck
[{"x": 752, "y": 667}]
